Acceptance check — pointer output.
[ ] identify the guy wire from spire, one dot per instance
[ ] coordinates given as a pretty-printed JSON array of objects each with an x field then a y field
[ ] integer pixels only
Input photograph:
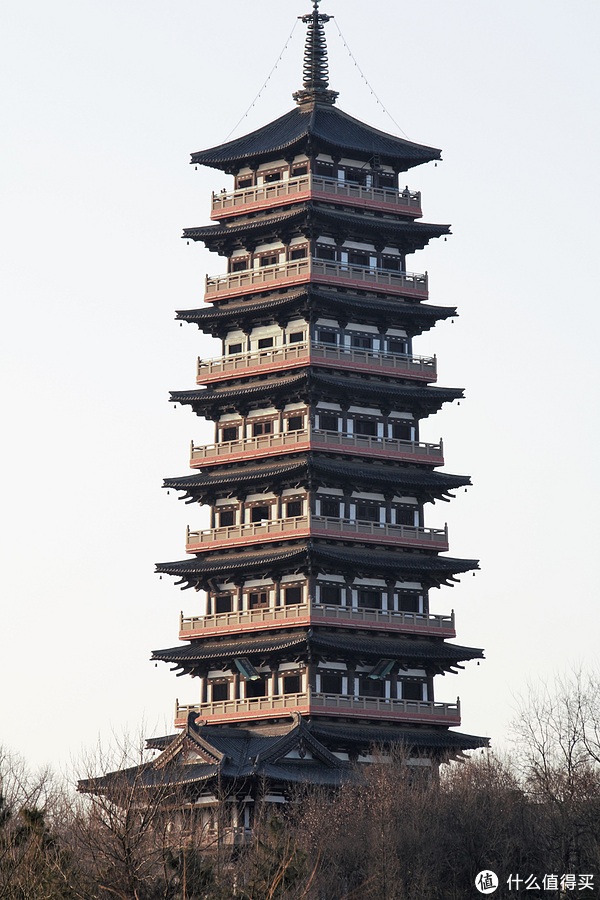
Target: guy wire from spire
[{"x": 269, "y": 76}]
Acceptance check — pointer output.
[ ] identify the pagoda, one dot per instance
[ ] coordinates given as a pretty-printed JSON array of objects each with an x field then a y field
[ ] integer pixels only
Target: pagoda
[{"x": 316, "y": 643}]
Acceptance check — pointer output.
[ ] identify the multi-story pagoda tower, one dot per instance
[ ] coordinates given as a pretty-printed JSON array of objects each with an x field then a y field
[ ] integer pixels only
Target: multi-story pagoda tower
[{"x": 317, "y": 641}]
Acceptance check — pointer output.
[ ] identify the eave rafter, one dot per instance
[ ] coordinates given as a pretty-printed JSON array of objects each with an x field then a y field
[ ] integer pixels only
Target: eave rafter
[
  {"x": 311, "y": 472},
  {"x": 313, "y": 220},
  {"x": 431, "y": 570},
  {"x": 312, "y": 645},
  {"x": 308, "y": 385}
]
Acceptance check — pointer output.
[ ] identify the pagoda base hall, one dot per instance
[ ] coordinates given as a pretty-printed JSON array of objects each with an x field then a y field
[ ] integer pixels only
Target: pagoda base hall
[{"x": 312, "y": 649}]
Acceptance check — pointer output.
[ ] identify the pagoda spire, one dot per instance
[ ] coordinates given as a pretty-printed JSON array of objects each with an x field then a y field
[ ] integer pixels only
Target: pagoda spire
[{"x": 315, "y": 69}]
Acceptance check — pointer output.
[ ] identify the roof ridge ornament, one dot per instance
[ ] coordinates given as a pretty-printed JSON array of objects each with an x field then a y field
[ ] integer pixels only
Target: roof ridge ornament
[{"x": 315, "y": 69}]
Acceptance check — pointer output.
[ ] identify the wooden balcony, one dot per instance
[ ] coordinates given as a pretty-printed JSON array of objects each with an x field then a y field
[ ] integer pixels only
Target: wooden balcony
[
  {"x": 413, "y": 711},
  {"x": 305, "y": 614},
  {"x": 420, "y": 368},
  {"x": 316, "y": 526},
  {"x": 296, "y": 190},
  {"x": 312, "y": 439},
  {"x": 301, "y": 271}
]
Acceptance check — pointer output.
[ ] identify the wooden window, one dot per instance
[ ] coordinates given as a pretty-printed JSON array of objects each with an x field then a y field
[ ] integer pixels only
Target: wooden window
[
  {"x": 324, "y": 168},
  {"x": 392, "y": 263},
  {"x": 412, "y": 690},
  {"x": 295, "y": 423},
  {"x": 331, "y": 684},
  {"x": 293, "y": 595},
  {"x": 272, "y": 176},
  {"x": 328, "y": 337},
  {"x": 233, "y": 349},
  {"x": 229, "y": 433},
  {"x": 227, "y": 518},
  {"x": 299, "y": 171},
  {"x": 366, "y": 426},
  {"x": 245, "y": 182},
  {"x": 296, "y": 337},
  {"x": 260, "y": 513},
  {"x": 402, "y": 431},
  {"x": 294, "y": 509},
  {"x": 291, "y": 684},
  {"x": 326, "y": 252},
  {"x": 256, "y": 688},
  {"x": 239, "y": 265},
  {"x": 386, "y": 180},
  {"x": 220, "y": 692},
  {"x": 372, "y": 687},
  {"x": 367, "y": 512},
  {"x": 408, "y": 602},
  {"x": 258, "y": 599},
  {"x": 265, "y": 343},
  {"x": 270, "y": 260},
  {"x": 330, "y": 508},
  {"x": 369, "y": 598},
  {"x": 223, "y": 603},
  {"x": 331, "y": 594},
  {"x": 396, "y": 345},
  {"x": 356, "y": 258},
  {"x": 261, "y": 428},
  {"x": 362, "y": 342},
  {"x": 405, "y": 515},
  {"x": 298, "y": 253},
  {"x": 328, "y": 422},
  {"x": 355, "y": 176}
]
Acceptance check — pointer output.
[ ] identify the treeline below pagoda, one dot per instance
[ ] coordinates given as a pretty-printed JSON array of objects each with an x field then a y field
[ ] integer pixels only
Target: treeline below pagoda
[{"x": 392, "y": 834}]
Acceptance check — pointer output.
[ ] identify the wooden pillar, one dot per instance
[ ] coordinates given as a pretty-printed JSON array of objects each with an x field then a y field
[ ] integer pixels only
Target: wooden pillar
[
  {"x": 273, "y": 681},
  {"x": 352, "y": 683}
]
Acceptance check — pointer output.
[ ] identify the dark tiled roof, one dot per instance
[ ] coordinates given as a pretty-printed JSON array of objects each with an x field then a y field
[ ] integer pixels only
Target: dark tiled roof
[
  {"x": 416, "y": 316},
  {"x": 396, "y": 563},
  {"x": 309, "y": 217},
  {"x": 248, "y": 756},
  {"x": 321, "y": 126},
  {"x": 419, "y": 481},
  {"x": 306, "y": 383},
  {"x": 353, "y": 645},
  {"x": 417, "y": 738}
]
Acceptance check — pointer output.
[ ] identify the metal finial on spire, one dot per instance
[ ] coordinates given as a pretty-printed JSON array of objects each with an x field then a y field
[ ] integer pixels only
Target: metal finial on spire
[{"x": 315, "y": 69}]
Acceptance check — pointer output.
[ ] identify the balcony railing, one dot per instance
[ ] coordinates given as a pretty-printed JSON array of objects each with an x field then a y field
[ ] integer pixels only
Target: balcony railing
[
  {"x": 268, "y": 617},
  {"x": 265, "y": 195},
  {"x": 303, "y": 270},
  {"x": 421, "y": 367},
  {"x": 345, "y": 705},
  {"x": 302, "y": 526},
  {"x": 267, "y": 444}
]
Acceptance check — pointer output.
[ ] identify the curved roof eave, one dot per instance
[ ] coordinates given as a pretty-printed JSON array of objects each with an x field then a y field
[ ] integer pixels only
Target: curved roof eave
[{"x": 319, "y": 124}]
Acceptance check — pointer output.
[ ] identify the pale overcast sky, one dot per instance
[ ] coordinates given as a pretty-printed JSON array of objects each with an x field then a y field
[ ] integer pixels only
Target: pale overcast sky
[{"x": 102, "y": 102}]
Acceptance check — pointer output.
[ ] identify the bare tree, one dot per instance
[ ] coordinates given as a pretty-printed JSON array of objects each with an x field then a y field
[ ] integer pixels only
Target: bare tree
[{"x": 31, "y": 857}]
